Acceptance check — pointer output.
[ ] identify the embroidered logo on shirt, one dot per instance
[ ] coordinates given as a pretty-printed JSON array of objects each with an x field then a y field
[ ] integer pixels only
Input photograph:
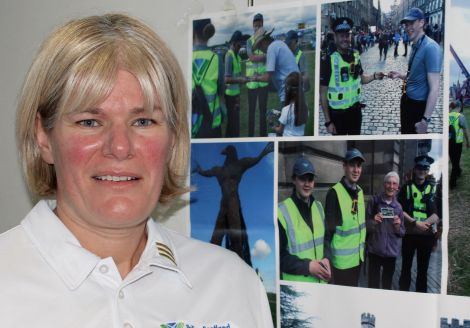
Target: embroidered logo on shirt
[{"x": 182, "y": 324}]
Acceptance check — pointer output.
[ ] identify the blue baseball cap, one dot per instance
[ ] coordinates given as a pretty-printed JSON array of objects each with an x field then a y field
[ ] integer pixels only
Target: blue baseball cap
[
  {"x": 352, "y": 154},
  {"x": 303, "y": 166},
  {"x": 413, "y": 14},
  {"x": 291, "y": 35}
]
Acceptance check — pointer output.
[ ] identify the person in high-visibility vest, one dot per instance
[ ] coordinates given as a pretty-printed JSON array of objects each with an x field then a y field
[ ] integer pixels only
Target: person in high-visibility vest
[
  {"x": 341, "y": 77},
  {"x": 207, "y": 73},
  {"x": 345, "y": 234},
  {"x": 302, "y": 229},
  {"x": 233, "y": 78},
  {"x": 417, "y": 198},
  {"x": 257, "y": 90},
  {"x": 457, "y": 134},
  {"x": 292, "y": 41}
]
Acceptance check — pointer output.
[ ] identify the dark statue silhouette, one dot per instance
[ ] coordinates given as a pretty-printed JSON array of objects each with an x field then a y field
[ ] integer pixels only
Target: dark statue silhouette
[{"x": 230, "y": 222}]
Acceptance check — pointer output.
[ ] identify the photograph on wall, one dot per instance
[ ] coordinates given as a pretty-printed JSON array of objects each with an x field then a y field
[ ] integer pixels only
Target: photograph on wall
[
  {"x": 459, "y": 154},
  {"x": 364, "y": 213},
  {"x": 253, "y": 73},
  {"x": 381, "y": 67},
  {"x": 232, "y": 203},
  {"x": 306, "y": 305}
]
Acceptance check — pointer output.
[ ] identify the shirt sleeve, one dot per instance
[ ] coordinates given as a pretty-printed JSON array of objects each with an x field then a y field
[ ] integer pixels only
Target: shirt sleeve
[
  {"x": 271, "y": 58},
  {"x": 228, "y": 65},
  {"x": 433, "y": 58},
  {"x": 283, "y": 117},
  {"x": 325, "y": 71},
  {"x": 463, "y": 122},
  {"x": 289, "y": 263}
]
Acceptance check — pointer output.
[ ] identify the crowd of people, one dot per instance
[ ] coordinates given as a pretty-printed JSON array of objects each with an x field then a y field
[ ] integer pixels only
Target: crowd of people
[
  {"x": 330, "y": 244},
  {"x": 218, "y": 81},
  {"x": 341, "y": 74}
]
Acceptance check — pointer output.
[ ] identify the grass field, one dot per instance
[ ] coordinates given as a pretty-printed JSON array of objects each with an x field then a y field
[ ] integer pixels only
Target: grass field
[
  {"x": 459, "y": 228},
  {"x": 273, "y": 101}
]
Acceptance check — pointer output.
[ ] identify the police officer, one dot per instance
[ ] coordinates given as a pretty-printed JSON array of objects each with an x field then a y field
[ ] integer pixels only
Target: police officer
[
  {"x": 341, "y": 76},
  {"x": 257, "y": 90},
  {"x": 292, "y": 41},
  {"x": 417, "y": 198},
  {"x": 301, "y": 230},
  {"x": 232, "y": 79},
  {"x": 345, "y": 222},
  {"x": 457, "y": 132},
  {"x": 207, "y": 73}
]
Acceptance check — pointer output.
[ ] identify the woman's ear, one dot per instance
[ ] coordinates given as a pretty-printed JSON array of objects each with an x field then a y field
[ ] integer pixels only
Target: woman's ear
[{"x": 43, "y": 142}]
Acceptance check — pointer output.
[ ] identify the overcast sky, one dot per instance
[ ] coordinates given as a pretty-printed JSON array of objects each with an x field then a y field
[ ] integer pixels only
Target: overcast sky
[
  {"x": 384, "y": 4},
  {"x": 281, "y": 19}
]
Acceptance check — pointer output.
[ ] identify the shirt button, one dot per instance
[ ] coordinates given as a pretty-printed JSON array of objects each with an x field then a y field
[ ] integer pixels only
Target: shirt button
[
  {"x": 127, "y": 325},
  {"x": 104, "y": 269},
  {"x": 121, "y": 294}
]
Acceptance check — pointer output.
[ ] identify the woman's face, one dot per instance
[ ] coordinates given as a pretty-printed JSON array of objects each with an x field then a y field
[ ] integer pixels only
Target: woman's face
[{"x": 109, "y": 160}]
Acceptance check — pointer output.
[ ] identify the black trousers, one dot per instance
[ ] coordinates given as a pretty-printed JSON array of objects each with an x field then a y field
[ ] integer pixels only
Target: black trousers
[
  {"x": 387, "y": 264},
  {"x": 346, "y": 277},
  {"x": 422, "y": 245},
  {"x": 260, "y": 95},
  {"x": 455, "y": 152},
  {"x": 411, "y": 112},
  {"x": 233, "y": 116},
  {"x": 347, "y": 121}
]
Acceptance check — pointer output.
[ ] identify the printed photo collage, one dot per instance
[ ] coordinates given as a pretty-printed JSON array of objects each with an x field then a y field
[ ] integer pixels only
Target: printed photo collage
[{"x": 329, "y": 151}]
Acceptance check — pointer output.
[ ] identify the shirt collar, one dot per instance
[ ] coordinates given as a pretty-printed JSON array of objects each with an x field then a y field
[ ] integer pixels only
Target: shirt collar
[{"x": 73, "y": 263}]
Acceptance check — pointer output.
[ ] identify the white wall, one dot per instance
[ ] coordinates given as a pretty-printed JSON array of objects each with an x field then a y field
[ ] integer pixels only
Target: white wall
[{"x": 24, "y": 24}]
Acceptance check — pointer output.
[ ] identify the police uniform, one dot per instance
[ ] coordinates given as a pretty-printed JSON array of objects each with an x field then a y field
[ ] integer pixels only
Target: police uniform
[
  {"x": 48, "y": 279},
  {"x": 341, "y": 73},
  {"x": 418, "y": 201},
  {"x": 257, "y": 91},
  {"x": 457, "y": 124},
  {"x": 345, "y": 228},
  {"x": 232, "y": 90},
  {"x": 206, "y": 73}
]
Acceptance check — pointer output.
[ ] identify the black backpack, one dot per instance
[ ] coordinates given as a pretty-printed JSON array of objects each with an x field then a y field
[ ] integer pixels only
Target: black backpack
[{"x": 200, "y": 107}]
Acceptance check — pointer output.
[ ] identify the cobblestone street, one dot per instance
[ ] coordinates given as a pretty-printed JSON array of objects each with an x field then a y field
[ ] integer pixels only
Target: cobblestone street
[{"x": 382, "y": 98}]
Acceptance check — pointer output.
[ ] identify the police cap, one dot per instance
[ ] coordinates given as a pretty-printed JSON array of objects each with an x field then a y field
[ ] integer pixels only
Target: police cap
[
  {"x": 342, "y": 24},
  {"x": 423, "y": 162}
]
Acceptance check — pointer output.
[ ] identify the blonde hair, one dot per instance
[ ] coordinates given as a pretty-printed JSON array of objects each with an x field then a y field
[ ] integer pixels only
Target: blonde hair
[{"x": 76, "y": 68}]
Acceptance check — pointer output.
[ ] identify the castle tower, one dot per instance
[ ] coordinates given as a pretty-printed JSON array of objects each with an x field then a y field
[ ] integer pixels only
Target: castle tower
[{"x": 367, "y": 320}]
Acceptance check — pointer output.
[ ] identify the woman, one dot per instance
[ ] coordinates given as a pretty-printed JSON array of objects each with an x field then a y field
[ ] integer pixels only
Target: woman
[{"x": 101, "y": 117}]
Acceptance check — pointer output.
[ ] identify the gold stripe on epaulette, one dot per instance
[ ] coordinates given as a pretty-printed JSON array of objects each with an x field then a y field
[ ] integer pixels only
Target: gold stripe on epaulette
[{"x": 166, "y": 252}]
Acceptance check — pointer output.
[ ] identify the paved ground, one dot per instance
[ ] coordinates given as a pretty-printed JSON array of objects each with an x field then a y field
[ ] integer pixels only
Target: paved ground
[
  {"x": 434, "y": 273},
  {"x": 382, "y": 113}
]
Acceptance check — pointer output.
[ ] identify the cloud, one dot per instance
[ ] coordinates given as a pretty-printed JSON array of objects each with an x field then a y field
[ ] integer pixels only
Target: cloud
[{"x": 261, "y": 249}]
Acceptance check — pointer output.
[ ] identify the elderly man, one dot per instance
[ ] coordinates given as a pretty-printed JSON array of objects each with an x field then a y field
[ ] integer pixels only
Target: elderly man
[
  {"x": 417, "y": 198},
  {"x": 345, "y": 222},
  {"x": 421, "y": 81},
  {"x": 341, "y": 76},
  {"x": 385, "y": 228},
  {"x": 302, "y": 229}
]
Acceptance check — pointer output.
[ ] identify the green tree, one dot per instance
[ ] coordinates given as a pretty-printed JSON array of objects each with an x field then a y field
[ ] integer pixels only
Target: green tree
[{"x": 291, "y": 316}]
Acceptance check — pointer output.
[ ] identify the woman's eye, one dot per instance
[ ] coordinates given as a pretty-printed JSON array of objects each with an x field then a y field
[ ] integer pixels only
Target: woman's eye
[
  {"x": 144, "y": 122},
  {"x": 88, "y": 123}
]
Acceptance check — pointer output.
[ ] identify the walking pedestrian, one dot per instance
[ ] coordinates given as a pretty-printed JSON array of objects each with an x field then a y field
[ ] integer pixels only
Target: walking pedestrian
[{"x": 457, "y": 132}]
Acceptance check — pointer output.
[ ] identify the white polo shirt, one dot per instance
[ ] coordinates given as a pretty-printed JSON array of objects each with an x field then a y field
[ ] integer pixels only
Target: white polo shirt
[{"x": 48, "y": 280}]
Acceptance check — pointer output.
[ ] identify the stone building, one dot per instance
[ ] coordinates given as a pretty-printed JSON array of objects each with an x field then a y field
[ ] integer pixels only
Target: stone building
[
  {"x": 455, "y": 323},
  {"x": 362, "y": 12},
  {"x": 367, "y": 320}
]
